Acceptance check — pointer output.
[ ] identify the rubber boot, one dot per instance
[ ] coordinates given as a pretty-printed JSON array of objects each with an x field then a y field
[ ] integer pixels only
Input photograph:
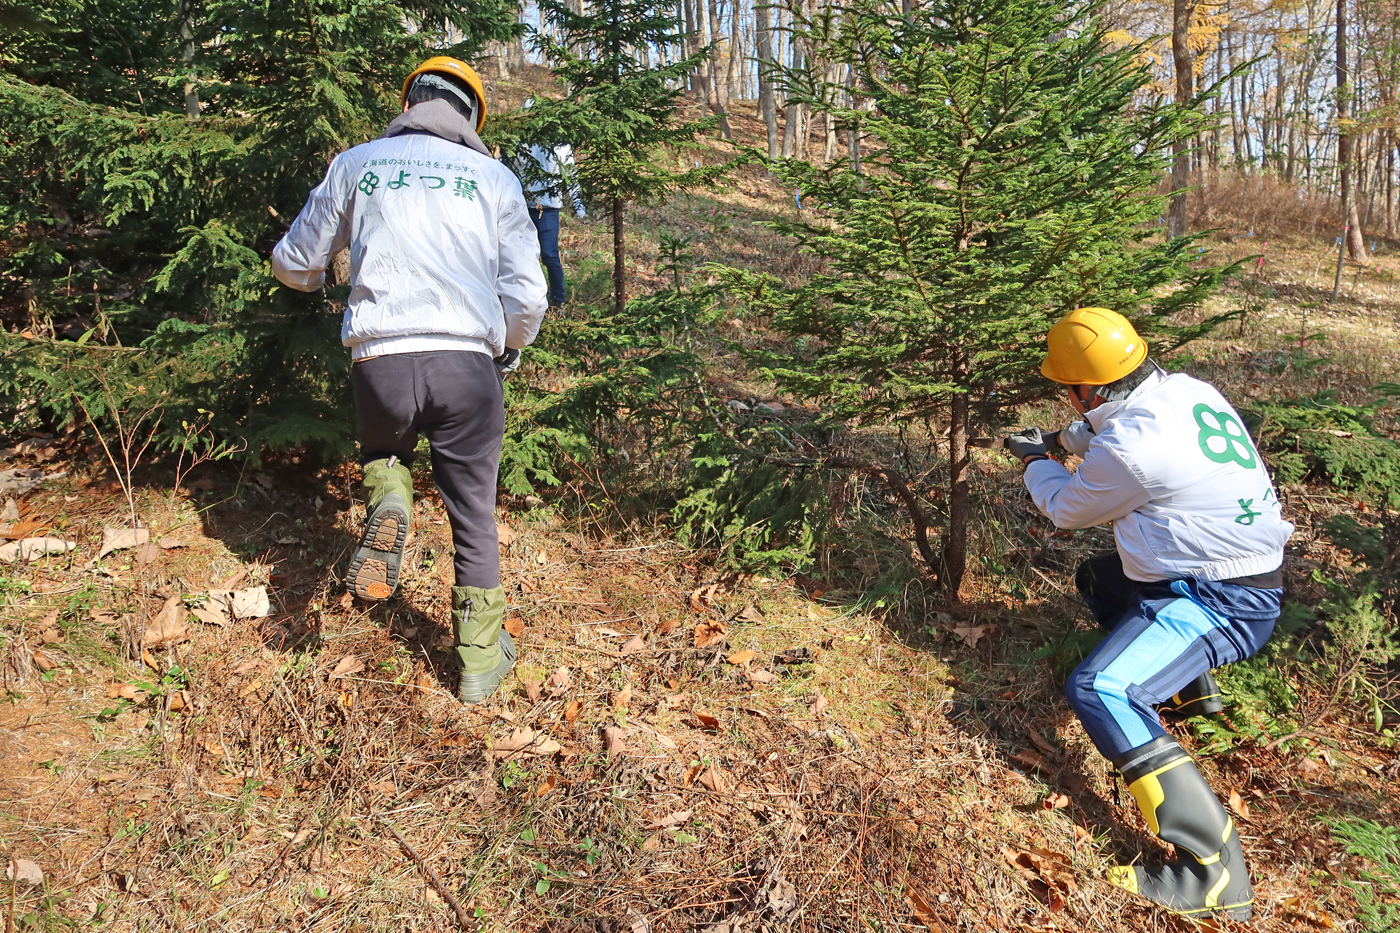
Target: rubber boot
[
  {"x": 1209, "y": 877},
  {"x": 374, "y": 567},
  {"x": 1200, "y": 697},
  {"x": 484, "y": 647}
]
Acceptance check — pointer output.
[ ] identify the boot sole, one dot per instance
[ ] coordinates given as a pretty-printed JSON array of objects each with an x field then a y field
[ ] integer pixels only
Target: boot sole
[{"x": 374, "y": 567}]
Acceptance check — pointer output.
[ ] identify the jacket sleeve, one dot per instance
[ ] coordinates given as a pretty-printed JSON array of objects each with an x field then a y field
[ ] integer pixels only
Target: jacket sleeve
[
  {"x": 1076, "y": 437},
  {"x": 520, "y": 281},
  {"x": 564, "y": 155},
  {"x": 321, "y": 230},
  {"x": 1103, "y": 489}
]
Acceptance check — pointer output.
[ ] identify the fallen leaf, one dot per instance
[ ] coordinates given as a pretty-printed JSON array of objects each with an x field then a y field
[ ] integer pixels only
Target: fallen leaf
[
  {"x": 105, "y": 616},
  {"x": 707, "y": 721},
  {"x": 671, "y": 819},
  {"x": 623, "y": 697},
  {"x": 923, "y": 911},
  {"x": 122, "y": 691},
  {"x": 633, "y": 645},
  {"x": 119, "y": 539},
  {"x": 169, "y": 544},
  {"x": 702, "y": 596},
  {"x": 761, "y": 676},
  {"x": 34, "y": 548},
  {"x": 691, "y": 774},
  {"x": 710, "y": 632},
  {"x": 147, "y": 553},
  {"x": 667, "y": 626},
  {"x": 346, "y": 666},
  {"x": 523, "y": 742},
  {"x": 179, "y": 700},
  {"x": 168, "y": 626},
  {"x": 742, "y": 657},
  {"x": 1238, "y": 805},
  {"x": 250, "y": 689},
  {"x": 1055, "y": 802},
  {"x": 651, "y": 843},
  {"x": 251, "y": 603},
  {"x": 546, "y": 785},
  {"x": 971, "y": 634},
  {"x": 10, "y": 513},
  {"x": 43, "y": 662},
  {"x": 572, "y": 710},
  {"x": 22, "y": 869},
  {"x": 347, "y": 600},
  {"x": 1040, "y": 742},
  {"x": 505, "y": 535},
  {"x": 750, "y": 613},
  {"x": 20, "y": 530},
  {"x": 533, "y": 689},
  {"x": 559, "y": 681},
  {"x": 1028, "y": 757},
  {"x": 612, "y": 741},
  {"x": 541, "y": 558},
  {"x": 204, "y": 483},
  {"x": 514, "y": 625},
  {"x": 385, "y": 787},
  {"x": 712, "y": 778},
  {"x": 818, "y": 704}
]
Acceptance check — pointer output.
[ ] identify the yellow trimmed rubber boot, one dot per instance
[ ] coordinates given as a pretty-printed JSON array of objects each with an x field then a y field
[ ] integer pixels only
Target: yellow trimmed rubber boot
[
  {"x": 1200, "y": 697},
  {"x": 374, "y": 567},
  {"x": 484, "y": 647},
  {"x": 1209, "y": 877}
]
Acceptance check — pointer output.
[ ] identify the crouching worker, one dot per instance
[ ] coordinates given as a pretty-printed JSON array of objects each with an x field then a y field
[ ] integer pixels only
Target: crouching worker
[
  {"x": 1195, "y": 582},
  {"x": 446, "y": 290}
]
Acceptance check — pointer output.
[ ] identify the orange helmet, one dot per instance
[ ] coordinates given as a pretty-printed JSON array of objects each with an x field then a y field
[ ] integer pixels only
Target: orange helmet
[
  {"x": 454, "y": 68},
  {"x": 1092, "y": 346}
]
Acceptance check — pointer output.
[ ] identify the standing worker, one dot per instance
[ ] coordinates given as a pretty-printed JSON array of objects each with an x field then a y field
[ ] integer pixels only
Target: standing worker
[
  {"x": 547, "y": 176},
  {"x": 1195, "y": 583},
  {"x": 446, "y": 290}
]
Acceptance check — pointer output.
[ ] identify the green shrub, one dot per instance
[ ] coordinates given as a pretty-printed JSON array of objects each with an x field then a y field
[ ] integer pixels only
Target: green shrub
[
  {"x": 1378, "y": 890},
  {"x": 1317, "y": 439}
]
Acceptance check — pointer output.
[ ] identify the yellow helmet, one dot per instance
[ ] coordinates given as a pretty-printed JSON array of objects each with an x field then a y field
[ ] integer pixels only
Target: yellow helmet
[
  {"x": 445, "y": 65},
  {"x": 1092, "y": 346}
]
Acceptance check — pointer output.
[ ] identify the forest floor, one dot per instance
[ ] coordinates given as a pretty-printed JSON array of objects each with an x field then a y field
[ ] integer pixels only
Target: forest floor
[{"x": 678, "y": 748}]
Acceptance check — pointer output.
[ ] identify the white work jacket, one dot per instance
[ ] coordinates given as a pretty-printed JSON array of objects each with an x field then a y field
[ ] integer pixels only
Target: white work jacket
[
  {"x": 1173, "y": 468},
  {"x": 443, "y": 255}
]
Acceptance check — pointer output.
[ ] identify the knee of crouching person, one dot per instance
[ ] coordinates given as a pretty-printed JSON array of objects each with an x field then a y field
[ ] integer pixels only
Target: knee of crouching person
[{"x": 1080, "y": 688}]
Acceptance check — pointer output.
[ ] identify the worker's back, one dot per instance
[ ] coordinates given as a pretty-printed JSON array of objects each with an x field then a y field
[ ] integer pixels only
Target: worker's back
[{"x": 442, "y": 255}]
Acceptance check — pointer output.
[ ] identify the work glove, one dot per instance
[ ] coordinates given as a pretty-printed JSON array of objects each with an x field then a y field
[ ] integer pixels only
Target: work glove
[
  {"x": 1028, "y": 446},
  {"x": 579, "y": 210},
  {"x": 507, "y": 363}
]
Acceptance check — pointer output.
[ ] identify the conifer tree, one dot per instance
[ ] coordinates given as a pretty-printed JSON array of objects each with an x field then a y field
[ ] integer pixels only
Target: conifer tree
[
  {"x": 1007, "y": 178},
  {"x": 130, "y": 214},
  {"x": 621, "y": 114}
]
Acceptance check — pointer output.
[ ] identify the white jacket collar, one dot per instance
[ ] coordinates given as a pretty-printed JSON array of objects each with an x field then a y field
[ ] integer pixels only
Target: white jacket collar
[{"x": 1104, "y": 413}]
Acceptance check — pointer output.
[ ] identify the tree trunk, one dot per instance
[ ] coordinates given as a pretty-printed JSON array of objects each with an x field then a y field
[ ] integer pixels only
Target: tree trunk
[
  {"x": 1181, "y": 166},
  {"x": 767, "y": 96},
  {"x": 619, "y": 259},
  {"x": 187, "y": 50},
  {"x": 959, "y": 469},
  {"x": 716, "y": 79},
  {"x": 1355, "y": 240}
]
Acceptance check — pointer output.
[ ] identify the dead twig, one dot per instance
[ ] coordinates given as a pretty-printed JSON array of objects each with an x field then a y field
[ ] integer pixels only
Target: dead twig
[{"x": 435, "y": 880}]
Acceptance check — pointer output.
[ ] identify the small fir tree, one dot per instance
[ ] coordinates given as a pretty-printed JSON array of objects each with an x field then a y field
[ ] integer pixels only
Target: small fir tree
[
  {"x": 1007, "y": 177},
  {"x": 622, "y": 115},
  {"x": 153, "y": 155}
]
